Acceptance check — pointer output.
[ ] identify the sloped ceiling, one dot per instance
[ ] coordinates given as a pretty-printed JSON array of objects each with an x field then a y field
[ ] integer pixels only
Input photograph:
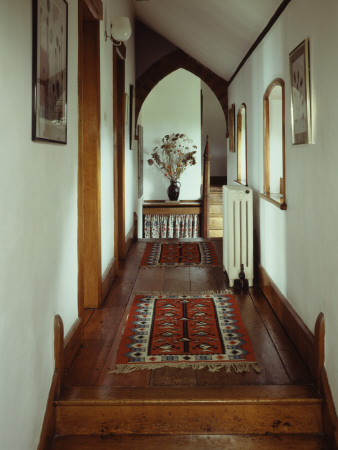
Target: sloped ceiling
[{"x": 217, "y": 33}]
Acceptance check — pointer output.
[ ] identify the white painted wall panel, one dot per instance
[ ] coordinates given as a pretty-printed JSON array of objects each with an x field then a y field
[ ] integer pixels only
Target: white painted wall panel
[{"x": 298, "y": 247}]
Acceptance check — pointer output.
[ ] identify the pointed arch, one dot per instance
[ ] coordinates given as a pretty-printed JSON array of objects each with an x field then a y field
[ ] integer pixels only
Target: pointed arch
[{"x": 179, "y": 60}]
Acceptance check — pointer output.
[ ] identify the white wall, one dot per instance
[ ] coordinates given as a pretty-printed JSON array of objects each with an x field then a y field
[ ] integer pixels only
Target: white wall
[
  {"x": 38, "y": 231},
  {"x": 299, "y": 247},
  {"x": 112, "y": 9},
  {"x": 38, "y": 210},
  {"x": 173, "y": 106},
  {"x": 214, "y": 126}
]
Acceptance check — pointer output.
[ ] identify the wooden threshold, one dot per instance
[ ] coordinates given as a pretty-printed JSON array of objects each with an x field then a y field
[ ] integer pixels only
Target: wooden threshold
[
  {"x": 106, "y": 395},
  {"x": 230, "y": 410}
]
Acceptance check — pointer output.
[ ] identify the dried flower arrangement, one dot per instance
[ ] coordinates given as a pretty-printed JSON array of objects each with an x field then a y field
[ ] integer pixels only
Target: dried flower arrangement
[{"x": 173, "y": 156}]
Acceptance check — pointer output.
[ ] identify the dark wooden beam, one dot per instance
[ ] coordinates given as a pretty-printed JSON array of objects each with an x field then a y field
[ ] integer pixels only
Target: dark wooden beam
[{"x": 272, "y": 21}]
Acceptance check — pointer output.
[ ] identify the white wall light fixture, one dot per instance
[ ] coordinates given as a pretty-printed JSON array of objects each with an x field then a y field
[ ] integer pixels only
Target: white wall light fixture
[{"x": 120, "y": 30}]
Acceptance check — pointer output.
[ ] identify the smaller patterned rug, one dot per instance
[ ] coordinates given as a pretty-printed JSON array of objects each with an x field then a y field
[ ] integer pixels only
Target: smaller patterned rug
[
  {"x": 177, "y": 254},
  {"x": 200, "y": 330}
]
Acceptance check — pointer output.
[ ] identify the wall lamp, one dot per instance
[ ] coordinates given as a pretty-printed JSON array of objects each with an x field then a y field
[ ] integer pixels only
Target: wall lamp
[{"x": 120, "y": 31}]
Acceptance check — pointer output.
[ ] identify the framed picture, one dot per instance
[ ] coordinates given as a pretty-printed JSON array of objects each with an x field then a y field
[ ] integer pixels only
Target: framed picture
[
  {"x": 126, "y": 108},
  {"x": 231, "y": 127},
  {"x": 132, "y": 125},
  {"x": 300, "y": 94},
  {"x": 50, "y": 54}
]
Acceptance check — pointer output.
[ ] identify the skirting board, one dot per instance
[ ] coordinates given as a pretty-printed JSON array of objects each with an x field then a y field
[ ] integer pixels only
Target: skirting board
[
  {"x": 73, "y": 342},
  {"x": 48, "y": 425},
  {"x": 132, "y": 235},
  {"x": 306, "y": 344},
  {"x": 110, "y": 273},
  {"x": 65, "y": 350},
  {"x": 299, "y": 333},
  {"x": 108, "y": 278}
]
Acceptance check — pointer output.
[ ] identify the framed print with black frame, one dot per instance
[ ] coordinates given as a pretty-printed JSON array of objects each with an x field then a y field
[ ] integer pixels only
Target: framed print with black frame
[
  {"x": 300, "y": 94},
  {"x": 50, "y": 55},
  {"x": 132, "y": 124}
]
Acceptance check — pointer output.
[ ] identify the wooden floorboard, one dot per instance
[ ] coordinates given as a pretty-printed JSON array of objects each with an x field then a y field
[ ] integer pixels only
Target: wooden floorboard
[
  {"x": 153, "y": 442},
  {"x": 277, "y": 357},
  {"x": 293, "y": 365}
]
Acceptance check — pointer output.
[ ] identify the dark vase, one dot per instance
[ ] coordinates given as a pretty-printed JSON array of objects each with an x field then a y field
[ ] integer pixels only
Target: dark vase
[{"x": 174, "y": 190}]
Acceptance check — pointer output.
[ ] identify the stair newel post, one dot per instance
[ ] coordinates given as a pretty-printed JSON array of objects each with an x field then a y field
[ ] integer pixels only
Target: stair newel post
[
  {"x": 59, "y": 351},
  {"x": 319, "y": 349},
  {"x": 206, "y": 190}
]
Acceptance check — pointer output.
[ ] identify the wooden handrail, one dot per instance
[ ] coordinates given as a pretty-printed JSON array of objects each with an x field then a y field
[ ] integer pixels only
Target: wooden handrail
[{"x": 206, "y": 190}]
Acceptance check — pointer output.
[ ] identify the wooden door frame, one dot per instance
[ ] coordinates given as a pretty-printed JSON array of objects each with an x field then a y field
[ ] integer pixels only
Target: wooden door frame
[
  {"x": 119, "y": 109},
  {"x": 89, "y": 182}
]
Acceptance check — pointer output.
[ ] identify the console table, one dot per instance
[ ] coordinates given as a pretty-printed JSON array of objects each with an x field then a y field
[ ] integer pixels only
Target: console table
[{"x": 169, "y": 219}]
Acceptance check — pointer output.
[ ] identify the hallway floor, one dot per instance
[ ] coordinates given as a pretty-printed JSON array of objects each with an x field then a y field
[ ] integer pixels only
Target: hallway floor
[
  {"x": 171, "y": 408},
  {"x": 277, "y": 357}
]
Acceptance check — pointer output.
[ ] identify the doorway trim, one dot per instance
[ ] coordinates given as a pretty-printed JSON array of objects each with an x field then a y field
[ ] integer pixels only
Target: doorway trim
[
  {"x": 119, "y": 110},
  {"x": 89, "y": 183}
]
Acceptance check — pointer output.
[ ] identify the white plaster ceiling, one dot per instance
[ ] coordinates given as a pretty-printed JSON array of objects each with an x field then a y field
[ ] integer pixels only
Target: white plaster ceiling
[{"x": 217, "y": 33}]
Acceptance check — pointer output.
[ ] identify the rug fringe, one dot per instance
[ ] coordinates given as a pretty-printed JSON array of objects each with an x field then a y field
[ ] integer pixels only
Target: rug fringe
[
  {"x": 237, "y": 367},
  {"x": 187, "y": 293},
  {"x": 174, "y": 266}
]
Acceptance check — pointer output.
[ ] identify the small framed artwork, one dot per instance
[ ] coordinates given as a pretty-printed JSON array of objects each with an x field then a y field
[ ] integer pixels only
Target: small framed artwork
[
  {"x": 50, "y": 53},
  {"x": 126, "y": 108},
  {"x": 231, "y": 127},
  {"x": 132, "y": 125},
  {"x": 300, "y": 94}
]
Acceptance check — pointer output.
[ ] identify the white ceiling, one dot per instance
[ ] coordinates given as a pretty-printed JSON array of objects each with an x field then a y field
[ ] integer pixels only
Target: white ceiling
[{"x": 217, "y": 33}]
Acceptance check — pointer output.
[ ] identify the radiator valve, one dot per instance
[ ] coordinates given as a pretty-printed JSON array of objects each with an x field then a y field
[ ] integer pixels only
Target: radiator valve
[{"x": 241, "y": 276}]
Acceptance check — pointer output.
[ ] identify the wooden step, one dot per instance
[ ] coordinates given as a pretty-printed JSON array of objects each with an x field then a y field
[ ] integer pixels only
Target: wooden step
[
  {"x": 182, "y": 410},
  {"x": 191, "y": 442},
  {"x": 215, "y": 233},
  {"x": 215, "y": 197},
  {"x": 215, "y": 223},
  {"x": 216, "y": 209}
]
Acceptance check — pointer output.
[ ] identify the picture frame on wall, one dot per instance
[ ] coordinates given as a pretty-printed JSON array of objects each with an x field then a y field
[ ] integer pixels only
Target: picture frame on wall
[
  {"x": 231, "y": 127},
  {"x": 50, "y": 56},
  {"x": 132, "y": 125},
  {"x": 300, "y": 94}
]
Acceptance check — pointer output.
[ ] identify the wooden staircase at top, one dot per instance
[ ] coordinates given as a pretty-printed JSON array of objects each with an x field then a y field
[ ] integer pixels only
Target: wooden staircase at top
[
  {"x": 212, "y": 218},
  {"x": 215, "y": 212}
]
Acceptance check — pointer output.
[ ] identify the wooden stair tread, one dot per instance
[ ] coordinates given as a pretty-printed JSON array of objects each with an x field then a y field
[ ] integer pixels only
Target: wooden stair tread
[
  {"x": 186, "y": 395},
  {"x": 277, "y": 409},
  {"x": 215, "y": 188},
  {"x": 216, "y": 233},
  {"x": 191, "y": 442}
]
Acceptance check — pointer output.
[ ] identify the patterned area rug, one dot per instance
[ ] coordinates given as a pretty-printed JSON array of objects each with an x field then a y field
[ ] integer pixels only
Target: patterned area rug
[
  {"x": 179, "y": 254},
  {"x": 194, "y": 330}
]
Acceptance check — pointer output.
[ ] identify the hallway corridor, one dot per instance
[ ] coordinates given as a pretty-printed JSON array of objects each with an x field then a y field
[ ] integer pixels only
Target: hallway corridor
[
  {"x": 173, "y": 408},
  {"x": 279, "y": 361}
]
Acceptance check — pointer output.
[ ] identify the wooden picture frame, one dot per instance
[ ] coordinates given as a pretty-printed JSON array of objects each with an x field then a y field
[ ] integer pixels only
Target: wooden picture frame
[
  {"x": 300, "y": 94},
  {"x": 231, "y": 128},
  {"x": 126, "y": 108},
  {"x": 132, "y": 124},
  {"x": 50, "y": 56}
]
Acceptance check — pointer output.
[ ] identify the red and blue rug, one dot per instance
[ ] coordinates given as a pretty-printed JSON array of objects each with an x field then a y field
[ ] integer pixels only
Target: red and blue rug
[
  {"x": 202, "y": 330},
  {"x": 177, "y": 254}
]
